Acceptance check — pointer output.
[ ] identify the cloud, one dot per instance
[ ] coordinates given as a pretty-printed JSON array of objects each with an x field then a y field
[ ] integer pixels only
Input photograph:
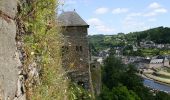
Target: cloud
[
  {"x": 161, "y": 10},
  {"x": 141, "y": 20},
  {"x": 94, "y": 21},
  {"x": 156, "y": 12},
  {"x": 152, "y": 20},
  {"x": 134, "y": 22},
  {"x": 154, "y": 5},
  {"x": 156, "y": 9},
  {"x": 133, "y": 25},
  {"x": 120, "y": 10},
  {"x": 102, "y": 10},
  {"x": 150, "y": 14},
  {"x": 131, "y": 15},
  {"x": 100, "y": 26},
  {"x": 105, "y": 29}
]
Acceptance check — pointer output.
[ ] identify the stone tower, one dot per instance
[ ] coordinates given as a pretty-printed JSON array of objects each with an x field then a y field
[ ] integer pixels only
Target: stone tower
[{"x": 75, "y": 49}]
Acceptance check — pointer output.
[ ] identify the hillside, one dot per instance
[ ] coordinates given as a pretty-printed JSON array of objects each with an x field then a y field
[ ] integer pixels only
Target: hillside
[{"x": 159, "y": 35}]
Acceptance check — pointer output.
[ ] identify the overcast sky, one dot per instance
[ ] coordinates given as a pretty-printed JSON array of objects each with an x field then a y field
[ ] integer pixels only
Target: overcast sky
[{"x": 114, "y": 16}]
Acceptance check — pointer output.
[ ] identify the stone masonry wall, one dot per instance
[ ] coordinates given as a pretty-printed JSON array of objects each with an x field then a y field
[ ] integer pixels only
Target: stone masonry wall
[
  {"x": 11, "y": 80},
  {"x": 8, "y": 59},
  {"x": 76, "y": 55}
]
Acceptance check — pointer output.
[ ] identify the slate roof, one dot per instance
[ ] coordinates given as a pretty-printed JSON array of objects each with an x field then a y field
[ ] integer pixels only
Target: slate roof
[
  {"x": 154, "y": 61},
  {"x": 71, "y": 18}
]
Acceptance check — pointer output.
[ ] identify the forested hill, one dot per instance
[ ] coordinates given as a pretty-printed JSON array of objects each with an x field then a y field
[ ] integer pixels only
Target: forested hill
[{"x": 159, "y": 35}]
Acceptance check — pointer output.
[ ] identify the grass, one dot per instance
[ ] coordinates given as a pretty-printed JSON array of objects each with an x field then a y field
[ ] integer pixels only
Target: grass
[
  {"x": 163, "y": 75},
  {"x": 160, "y": 79},
  {"x": 149, "y": 52},
  {"x": 42, "y": 44},
  {"x": 167, "y": 69},
  {"x": 164, "y": 52}
]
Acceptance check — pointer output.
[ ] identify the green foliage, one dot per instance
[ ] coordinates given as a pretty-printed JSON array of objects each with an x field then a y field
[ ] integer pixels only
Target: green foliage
[
  {"x": 120, "y": 82},
  {"x": 98, "y": 43},
  {"x": 114, "y": 76},
  {"x": 112, "y": 71},
  {"x": 150, "y": 52},
  {"x": 78, "y": 93},
  {"x": 158, "y": 35},
  {"x": 162, "y": 96},
  {"x": 42, "y": 43},
  {"x": 118, "y": 93}
]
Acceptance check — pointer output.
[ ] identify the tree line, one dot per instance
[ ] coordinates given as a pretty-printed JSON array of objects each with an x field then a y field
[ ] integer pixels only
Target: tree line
[{"x": 120, "y": 82}]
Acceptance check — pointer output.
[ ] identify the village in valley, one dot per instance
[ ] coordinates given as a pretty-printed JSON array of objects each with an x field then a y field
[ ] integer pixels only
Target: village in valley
[{"x": 151, "y": 59}]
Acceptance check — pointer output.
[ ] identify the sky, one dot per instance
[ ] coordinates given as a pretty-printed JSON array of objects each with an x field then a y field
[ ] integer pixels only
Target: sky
[{"x": 114, "y": 16}]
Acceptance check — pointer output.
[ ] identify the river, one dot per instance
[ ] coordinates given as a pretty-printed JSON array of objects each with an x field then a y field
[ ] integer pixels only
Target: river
[{"x": 155, "y": 85}]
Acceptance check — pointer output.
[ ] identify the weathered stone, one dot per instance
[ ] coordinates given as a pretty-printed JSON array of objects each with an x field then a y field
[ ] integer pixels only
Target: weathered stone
[
  {"x": 8, "y": 7},
  {"x": 22, "y": 97},
  {"x": 76, "y": 48},
  {"x": 8, "y": 65}
]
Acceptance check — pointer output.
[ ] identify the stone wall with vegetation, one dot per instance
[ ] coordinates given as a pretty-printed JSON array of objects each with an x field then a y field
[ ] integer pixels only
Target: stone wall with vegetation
[
  {"x": 40, "y": 39},
  {"x": 30, "y": 54}
]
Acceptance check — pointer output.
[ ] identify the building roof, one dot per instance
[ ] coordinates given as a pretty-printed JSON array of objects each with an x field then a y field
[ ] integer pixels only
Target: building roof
[
  {"x": 166, "y": 59},
  {"x": 71, "y": 18},
  {"x": 154, "y": 61}
]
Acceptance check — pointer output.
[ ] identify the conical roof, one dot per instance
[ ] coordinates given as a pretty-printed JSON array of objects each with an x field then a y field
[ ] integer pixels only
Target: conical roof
[{"x": 71, "y": 18}]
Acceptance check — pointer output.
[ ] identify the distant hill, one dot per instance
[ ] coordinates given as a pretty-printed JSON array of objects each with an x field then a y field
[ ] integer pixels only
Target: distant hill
[{"x": 159, "y": 35}]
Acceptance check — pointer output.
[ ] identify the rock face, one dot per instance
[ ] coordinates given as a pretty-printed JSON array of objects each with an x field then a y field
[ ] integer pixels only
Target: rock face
[
  {"x": 8, "y": 59},
  {"x": 9, "y": 7}
]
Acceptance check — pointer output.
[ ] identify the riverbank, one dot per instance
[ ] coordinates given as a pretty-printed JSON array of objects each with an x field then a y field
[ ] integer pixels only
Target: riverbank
[
  {"x": 155, "y": 86},
  {"x": 158, "y": 79}
]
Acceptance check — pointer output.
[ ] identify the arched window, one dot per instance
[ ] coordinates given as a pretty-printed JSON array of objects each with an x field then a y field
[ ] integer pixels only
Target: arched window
[
  {"x": 77, "y": 48},
  {"x": 81, "y": 49}
]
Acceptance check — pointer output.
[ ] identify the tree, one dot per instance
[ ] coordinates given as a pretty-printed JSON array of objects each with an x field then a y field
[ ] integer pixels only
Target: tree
[
  {"x": 162, "y": 96},
  {"x": 118, "y": 93},
  {"x": 120, "y": 82}
]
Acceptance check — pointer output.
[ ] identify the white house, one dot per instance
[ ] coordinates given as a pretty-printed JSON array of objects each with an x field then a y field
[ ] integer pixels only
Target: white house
[{"x": 157, "y": 63}]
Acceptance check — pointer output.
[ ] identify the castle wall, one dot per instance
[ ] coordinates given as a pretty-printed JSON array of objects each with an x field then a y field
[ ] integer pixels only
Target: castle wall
[{"x": 76, "y": 55}]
